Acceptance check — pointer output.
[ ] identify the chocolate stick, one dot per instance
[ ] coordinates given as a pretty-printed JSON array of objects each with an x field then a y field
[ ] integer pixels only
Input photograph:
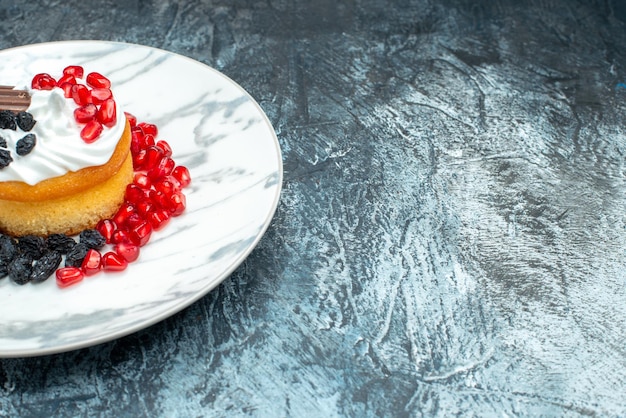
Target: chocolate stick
[{"x": 13, "y": 100}]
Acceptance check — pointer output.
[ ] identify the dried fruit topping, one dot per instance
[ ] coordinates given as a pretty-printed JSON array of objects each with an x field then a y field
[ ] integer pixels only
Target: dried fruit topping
[
  {"x": 45, "y": 266},
  {"x": 60, "y": 243},
  {"x": 31, "y": 245},
  {"x": 5, "y": 158},
  {"x": 92, "y": 238},
  {"x": 7, "y": 120},
  {"x": 19, "y": 269},
  {"x": 75, "y": 257},
  {"x": 26, "y": 144},
  {"x": 25, "y": 121}
]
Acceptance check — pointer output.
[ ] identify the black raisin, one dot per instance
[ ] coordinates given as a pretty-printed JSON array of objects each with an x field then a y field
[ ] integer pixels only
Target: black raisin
[
  {"x": 45, "y": 266},
  {"x": 5, "y": 158},
  {"x": 4, "y": 268},
  {"x": 60, "y": 243},
  {"x": 7, "y": 120},
  {"x": 8, "y": 247},
  {"x": 3, "y": 142},
  {"x": 92, "y": 239},
  {"x": 25, "y": 121},
  {"x": 26, "y": 144},
  {"x": 76, "y": 255},
  {"x": 19, "y": 269},
  {"x": 31, "y": 245}
]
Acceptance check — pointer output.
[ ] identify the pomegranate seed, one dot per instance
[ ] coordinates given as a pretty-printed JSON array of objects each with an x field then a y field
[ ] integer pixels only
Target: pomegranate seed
[
  {"x": 123, "y": 213},
  {"x": 92, "y": 263},
  {"x": 43, "y": 81},
  {"x": 163, "y": 145},
  {"x": 167, "y": 186},
  {"x": 160, "y": 199},
  {"x": 139, "y": 159},
  {"x": 67, "y": 90},
  {"x": 140, "y": 234},
  {"x": 153, "y": 156},
  {"x": 106, "y": 227},
  {"x": 112, "y": 261},
  {"x": 181, "y": 173},
  {"x": 66, "y": 78},
  {"x": 81, "y": 94},
  {"x": 133, "y": 220},
  {"x": 132, "y": 120},
  {"x": 158, "y": 219},
  {"x": 75, "y": 70},
  {"x": 163, "y": 168},
  {"x": 149, "y": 128},
  {"x": 85, "y": 113},
  {"x": 97, "y": 80},
  {"x": 120, "y": 236},
  {"x": 177, "y": 204},
  {"x": 91, "y": 131},
  {"x": 107, "y": 114},
  {"x": 134, "y": 194},
  {"x": 99, "y": 95},
  {"x": 129, "y": 251},
  {"x": 142, "y": 180},
  {"x": 145, "y": 207},
  {"x": 67, "y": 276}
]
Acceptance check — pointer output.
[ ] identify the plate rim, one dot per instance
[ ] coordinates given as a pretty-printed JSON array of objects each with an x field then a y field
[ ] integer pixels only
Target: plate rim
[{"x": 216, "y": 280}]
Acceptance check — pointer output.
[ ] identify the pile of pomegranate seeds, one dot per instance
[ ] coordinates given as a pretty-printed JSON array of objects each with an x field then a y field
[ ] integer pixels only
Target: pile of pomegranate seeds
[
  {"x": 96, "y": 107},
  {"x": 151, "y": 200}
]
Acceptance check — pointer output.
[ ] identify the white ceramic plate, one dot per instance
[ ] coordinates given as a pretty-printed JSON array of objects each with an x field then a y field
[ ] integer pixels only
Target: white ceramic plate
[{"x": 215, "y": 129}]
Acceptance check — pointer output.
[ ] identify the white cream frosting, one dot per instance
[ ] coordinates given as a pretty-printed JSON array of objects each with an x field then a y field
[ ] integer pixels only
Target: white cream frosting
[{"x": 59, "y": 148}]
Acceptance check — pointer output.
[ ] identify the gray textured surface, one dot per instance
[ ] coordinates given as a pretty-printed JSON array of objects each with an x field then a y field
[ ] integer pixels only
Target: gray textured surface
[{"x": 451, "y": 235}]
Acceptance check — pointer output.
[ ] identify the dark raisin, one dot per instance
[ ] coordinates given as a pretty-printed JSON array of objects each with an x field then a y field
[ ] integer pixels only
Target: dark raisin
[
  {"x": 5, "y": 158},
  {"x": 31, "y": 245},
  {"x": 92, "y": 239},
  {"x": 4, "y": 268},
  {"x": 26, "y": 144},
  {"x": 19, "y": 269},
  {"x": 25, "y": 121},
  {"x": 7, "y": 120},
  {"x": 3, "y": 142},
  {"x": 45, "y": 266},
  {"x": 60, "y": 243},
  {"x": 76, "y": 255},
  {"x": 8, "y": 247}
]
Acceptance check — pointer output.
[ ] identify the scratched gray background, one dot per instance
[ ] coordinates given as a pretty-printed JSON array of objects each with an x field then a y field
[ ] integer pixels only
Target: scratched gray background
[{"x": 451, "y": 236}]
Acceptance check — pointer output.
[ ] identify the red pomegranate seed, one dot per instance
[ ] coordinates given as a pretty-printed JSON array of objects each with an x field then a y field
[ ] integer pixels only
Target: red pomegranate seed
[
  {"x": 91, "y": 131},
  {"x": 177, "y": 204},
  {"x": 129, "y": 251},
  {"x": 92, "y": 263},
  {"x": 158, "y": 219},
  {"x": 106, "y": 227},
  {"x": 149, "y": 128},
  {"x": 167, "y": 150},
  {"x": 134, "y": 194},
  {"x": 133, "y": 220},
  {"x": 81, "y": 94},
  {"x": 167, "y": 186},
  {"x": 75, "y": 70},
  {"x": 139, "y": 159},
  {"x": 99, "y": 95},
  {"x": 67, "y": 90},
  {"x": 120, "y": 236},
  {"x": 160, "y": 199},
  {"x": 153, "y": 156},
  {"x": 107, "y": 114},
  {"x": 123, "y": 213},
  {"x": 112, "y": 261},
  {"x": 43, "y": 81},
  {"x": 162, "y": 169},
  {"x": 97, "y": 80},
  {"x": 66, "y": 78},
  {"x": 67, "y": 276},
  {"x": 85, "y": 113},
  {"x": 145, "y": 207},
  {"x": 140, "y": 234},
  {"x": 142, "y": 180},
  {"x": 132, "y": 120},
  {"x": 181, "y": 173}
]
